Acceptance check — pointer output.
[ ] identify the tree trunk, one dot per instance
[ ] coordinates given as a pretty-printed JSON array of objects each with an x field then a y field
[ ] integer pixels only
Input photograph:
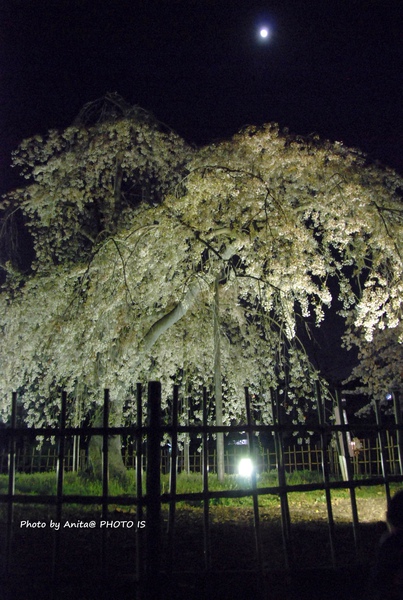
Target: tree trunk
[
  {"x": 218, "y": 384},
  {"x": 117, "y": 469},
  {"x": 341, "y": 447},
  {"x": 186, "y": 445}
]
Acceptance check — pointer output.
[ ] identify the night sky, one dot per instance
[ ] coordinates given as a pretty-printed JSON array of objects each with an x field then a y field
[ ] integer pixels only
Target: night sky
[{"x": 328, "y": 66}]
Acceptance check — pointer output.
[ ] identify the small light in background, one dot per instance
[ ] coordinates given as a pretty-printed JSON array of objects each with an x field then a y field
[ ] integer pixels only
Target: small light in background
[{"x": 245, "y": 467}]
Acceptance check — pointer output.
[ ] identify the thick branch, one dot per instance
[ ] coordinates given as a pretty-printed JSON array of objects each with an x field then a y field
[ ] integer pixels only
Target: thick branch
[{"x": 169, "y": 319}]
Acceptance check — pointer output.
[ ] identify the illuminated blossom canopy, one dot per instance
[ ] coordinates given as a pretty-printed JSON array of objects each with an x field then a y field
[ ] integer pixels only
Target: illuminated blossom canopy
[
  {"x": 134, "y": 231},
  {"x": 380, "y": 367}
]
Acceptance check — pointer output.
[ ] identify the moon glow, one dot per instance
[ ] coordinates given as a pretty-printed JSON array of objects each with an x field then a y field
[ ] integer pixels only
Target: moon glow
[{"x": 264, "y": 32}]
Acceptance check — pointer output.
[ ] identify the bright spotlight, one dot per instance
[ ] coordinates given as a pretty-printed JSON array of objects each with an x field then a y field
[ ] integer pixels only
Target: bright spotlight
[{"x": 245, "y": 467}]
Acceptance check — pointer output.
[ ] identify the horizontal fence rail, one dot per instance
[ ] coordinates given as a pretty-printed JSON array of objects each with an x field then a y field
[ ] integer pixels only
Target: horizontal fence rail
[{"x": 342, "y": 461}]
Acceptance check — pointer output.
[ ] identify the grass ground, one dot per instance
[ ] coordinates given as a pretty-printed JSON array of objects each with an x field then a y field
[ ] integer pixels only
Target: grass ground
[{"x": 76, "y": 484}]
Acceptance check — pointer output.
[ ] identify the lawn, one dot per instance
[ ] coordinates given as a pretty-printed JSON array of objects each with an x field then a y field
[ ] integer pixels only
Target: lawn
[{"x": 306, "y": 507}]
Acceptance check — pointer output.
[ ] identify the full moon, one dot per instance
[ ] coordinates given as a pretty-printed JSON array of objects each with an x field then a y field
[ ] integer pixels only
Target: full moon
[{"x": 264, "y": 32}]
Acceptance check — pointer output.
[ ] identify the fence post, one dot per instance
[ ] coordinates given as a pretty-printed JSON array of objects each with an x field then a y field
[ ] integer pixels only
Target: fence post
[
  {"x": 349, "y": 473},
  {"x": 139, "y": 481},
  {"x": 172, "y": 478},
  {"x": 60, "y": 476},
  {"x": 205, "y": 467},
  {"x": 325, "y": 469},
  {"x": 253, "y": 453},
  {"x": 11, "y": 480},
  {"x": 285, "y": 510},
  {"x": 398, "y": 420},
  {"x": 381, "y": 442},
  {"x": 105, "y": 479},
  {"x": 153, "y": 484}
]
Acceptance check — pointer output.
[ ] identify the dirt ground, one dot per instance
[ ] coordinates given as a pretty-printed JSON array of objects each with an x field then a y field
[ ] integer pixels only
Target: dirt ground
[
  {"x": 232, "y": 551},
  {"x": 370, "y": 510},
  {"x": 232, "y": 534}
]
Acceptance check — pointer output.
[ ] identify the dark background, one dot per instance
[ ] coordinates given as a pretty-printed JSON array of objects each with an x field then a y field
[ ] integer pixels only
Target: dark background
[{"x": 330, "y": 66}]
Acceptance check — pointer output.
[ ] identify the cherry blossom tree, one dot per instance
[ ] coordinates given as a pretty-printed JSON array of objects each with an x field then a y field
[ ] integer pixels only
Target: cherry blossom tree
[
  {"x": 380, "y": 366},
  {"x": 146, "y": 250}
]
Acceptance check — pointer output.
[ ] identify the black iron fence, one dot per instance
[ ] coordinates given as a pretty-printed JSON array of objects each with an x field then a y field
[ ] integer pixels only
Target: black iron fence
[
  {"x": 144, "y": 525},
  {"x": 365, "y": 453}
]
